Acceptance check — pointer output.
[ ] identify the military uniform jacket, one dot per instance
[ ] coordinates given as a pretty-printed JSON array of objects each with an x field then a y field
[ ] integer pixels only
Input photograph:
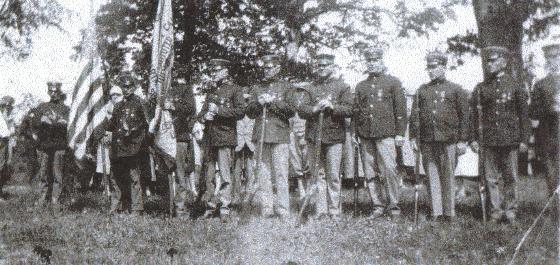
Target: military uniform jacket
[
  {"x": 333, "y": 121},
  {"x": 129, "y": 126},
  {"x": 541, "y": 109},
  {"x": 505, "y": 120},
  {"x": 441, "y": 113},
  {"x": 222, "y": 130},
  {"x": 380, "y": 107},
  {"x": 51, "y": 136},
  {"x": 185, "y": 109},
  {"x": 279, "y": 112}
]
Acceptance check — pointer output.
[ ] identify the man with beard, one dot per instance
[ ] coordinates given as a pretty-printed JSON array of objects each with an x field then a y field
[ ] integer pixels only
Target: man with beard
[
  {"x": 223, "y": 107},
  {"x": 545, "y": 109},
  {"x": 51, "y": 119},
  {"x": 380, "y": 116},
  {"x": 129, "y": 145},
  {"x": 505, "y": 129},
  {"x": 273, "y": 95},
  {"x": 330, "y": 98},
  {"x": 439, "y": 127}
]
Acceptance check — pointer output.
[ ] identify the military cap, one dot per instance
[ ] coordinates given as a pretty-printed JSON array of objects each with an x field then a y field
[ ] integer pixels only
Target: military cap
[
  {"x": 551, "y": 50},
  {"x": 7, "y": 101},
  {"x": 325, "y": 56},
  {"x": 495, "y": 52},
  {"x": 54, "y": 86},
  {"x": 270, "y": 58},
  {"x": 374, "y": 53},
  {"x": 436, "y": 58},
  {"x": 216, "y": 62}
]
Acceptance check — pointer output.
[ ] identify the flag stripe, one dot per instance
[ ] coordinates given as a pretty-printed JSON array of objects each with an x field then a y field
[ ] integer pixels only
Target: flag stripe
[
  {"x": 95, "y": 121},
  {"x": 83, "y": 117},
  {"x": 80, "y": 103}
]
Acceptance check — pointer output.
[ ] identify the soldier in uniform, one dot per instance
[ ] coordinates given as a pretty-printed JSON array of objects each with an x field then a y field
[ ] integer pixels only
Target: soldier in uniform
[
  {"x": 6, "y": 132},
  {"x": 129, "y": 146},
  {"x": 439, "y": 127},
  {"x": 183, "y": 109},
  {"x": 50, "y": 124},
  {"x": 544, "y": 109},
  {"x": 506, "y": 129},
  {"x": 274, "y": 94},
  {"x": 333, "y": 98},
  {"x": 223, "y": 107},
  {"x": 380, "y": 115}
]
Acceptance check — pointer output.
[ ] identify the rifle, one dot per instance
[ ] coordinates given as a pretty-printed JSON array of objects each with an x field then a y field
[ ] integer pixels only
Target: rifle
[
  {"x": 251, "y": 186},
  {"x": 417, "y": 162},
  {"x": 356, "y": 169},
  {"x": 317, "y": 162},
  {"x": 481, "y": 170}
]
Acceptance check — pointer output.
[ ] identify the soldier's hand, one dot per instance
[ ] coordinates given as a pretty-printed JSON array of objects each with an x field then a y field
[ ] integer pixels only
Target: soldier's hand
[
  {"x": 523, "y": 148},
  {"x": 328, "y": 104},
  {"x": 209, "y": 116},
  {"x": 62, "y": 121},
  {"x": 168, "y": 105},
  {"x": 45, "y": 119},
  {"x": 212, "y": 107},
  {"x": 107, "y": 138},
  {"x": 262, "y": 99},
  {"x": 475, "y": 147},
  {"x": 414, "y": 145},
  {"x": 461, "y": 148},
  {"x": 35, "y": 137},
  {"x": 399, "y": 140}
]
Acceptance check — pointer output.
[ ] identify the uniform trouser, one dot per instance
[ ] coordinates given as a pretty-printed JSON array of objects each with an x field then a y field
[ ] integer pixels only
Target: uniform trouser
[
  {"x": 298, "y": 152},
  {"x": 220, "y": 188},
  {"x": 42, "y": 165},
  {"x": 381, "y": 153},
  {"x": 439, "y": 165},
  {"x": 552, "y": 167},
  {"x": 328, "y": 182},
  {"x": 53, "y": 179},
  {"x": 4, "y": 162},
  {"x": 185, "y": 165},
  {"x": 501, "y": 161},
  {"x": 127, "y": 175},
  {"x": 274, "y": 170},
  {"x": 244, "y": 170}
]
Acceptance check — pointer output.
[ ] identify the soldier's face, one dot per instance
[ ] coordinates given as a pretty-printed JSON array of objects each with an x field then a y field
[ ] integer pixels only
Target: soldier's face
[
  {"x": 219, "y": 74},
  {"x": 436, "y": 71},
  {"x": 271, "y": 70},
  {"x": 496, "y": 65},
  {"x": 324, "y": 68},
  {"x": 116, "y": 98},
  {"x": 128, "y": 91},
  {"x": 55, "y": 95},
  {"x": 375, "y": 65}
]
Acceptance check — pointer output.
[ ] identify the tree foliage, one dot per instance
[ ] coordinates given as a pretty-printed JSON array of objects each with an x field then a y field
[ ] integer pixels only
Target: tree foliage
[
  {"x": 20, "y": 19},
  {"x": 241, "y": 30}
]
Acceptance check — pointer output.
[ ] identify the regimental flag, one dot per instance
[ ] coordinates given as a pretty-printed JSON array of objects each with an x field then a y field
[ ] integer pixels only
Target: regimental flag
[
  {"x": 160, "y": 79},
  {"x": 89, "y": 107}
]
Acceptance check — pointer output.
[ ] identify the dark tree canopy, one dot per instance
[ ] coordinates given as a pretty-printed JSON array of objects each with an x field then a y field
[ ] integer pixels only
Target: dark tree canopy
[
  {"x": 20, "y": 19},
  {"x": 241, "y": 30}
]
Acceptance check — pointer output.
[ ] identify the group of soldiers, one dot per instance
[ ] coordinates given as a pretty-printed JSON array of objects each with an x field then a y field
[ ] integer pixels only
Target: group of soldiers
[{"x": 253, "y": 135}]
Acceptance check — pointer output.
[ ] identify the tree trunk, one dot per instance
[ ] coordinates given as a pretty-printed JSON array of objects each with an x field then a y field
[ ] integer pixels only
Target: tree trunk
[{"x": 500, "y": 23}]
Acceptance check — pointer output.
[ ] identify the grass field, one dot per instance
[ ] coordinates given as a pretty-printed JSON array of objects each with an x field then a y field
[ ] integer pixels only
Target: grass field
[{"x": 84, "y": 234}]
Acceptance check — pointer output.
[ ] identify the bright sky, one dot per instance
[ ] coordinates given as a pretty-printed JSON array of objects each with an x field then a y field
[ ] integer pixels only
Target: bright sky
[{"x": 52, "y": 49}]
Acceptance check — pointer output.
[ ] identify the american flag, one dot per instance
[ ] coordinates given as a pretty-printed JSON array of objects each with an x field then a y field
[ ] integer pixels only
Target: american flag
[{"x": 89, "y": 108}]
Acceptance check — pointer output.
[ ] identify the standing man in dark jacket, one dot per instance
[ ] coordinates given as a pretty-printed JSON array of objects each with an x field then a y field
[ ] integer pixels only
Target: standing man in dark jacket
[
  {"x": 273, "y": 93},
  {"x": 183, "y": 109},
  {"x": 545, "y": 109},
  {"x": 506, "y": 128},
  {"x": 380, "y": 114},
  {"x": 130, "y": 140},
  {"x": 333, "y": 98},
  {"x": 219, "y": 114},
  {"x": 439, "y": 127},
  {"x": 50, "y": 124}
]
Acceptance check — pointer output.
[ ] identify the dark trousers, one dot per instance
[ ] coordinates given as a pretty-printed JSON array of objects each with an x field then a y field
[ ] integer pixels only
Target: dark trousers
[
  {"x": 52, "y": 180},
  {"x": 500, "y": 164},
  {"x": 185, "y": 165},
  {"x": 4, "y": 162},
  {"x": 127, "y": 177}
]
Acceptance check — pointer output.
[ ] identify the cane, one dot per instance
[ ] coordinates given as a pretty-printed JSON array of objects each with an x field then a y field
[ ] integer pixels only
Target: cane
[
  {"x": 316, "y": 164},
  {"x": 105, "y": 175},
  {"x": 417, "y": 163}
]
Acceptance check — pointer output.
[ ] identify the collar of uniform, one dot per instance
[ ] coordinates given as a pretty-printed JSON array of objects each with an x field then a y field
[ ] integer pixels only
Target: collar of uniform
[
  {"x": 323, "y": 81},
  {"x": 438, "y": 81},
  {"x": 374, "y": 76}
]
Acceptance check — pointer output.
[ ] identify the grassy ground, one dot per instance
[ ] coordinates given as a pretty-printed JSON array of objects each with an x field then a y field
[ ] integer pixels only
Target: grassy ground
[{"x": 75, "y": 237}]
